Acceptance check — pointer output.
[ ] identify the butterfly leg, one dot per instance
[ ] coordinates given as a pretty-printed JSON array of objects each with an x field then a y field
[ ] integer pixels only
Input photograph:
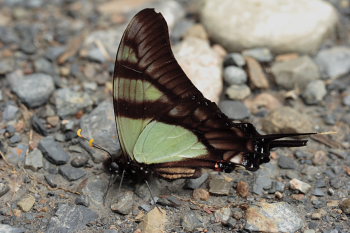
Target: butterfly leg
[{"x": 150, "y": 191}]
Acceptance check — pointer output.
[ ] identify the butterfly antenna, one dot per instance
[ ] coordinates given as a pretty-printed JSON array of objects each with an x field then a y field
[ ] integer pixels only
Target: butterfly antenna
[
  {"x": 150, "y": 191},
  {"x": 91, "y": 142}
]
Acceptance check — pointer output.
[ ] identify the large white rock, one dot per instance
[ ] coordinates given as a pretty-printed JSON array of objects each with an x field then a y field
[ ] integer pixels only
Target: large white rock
[
  {"x": 202, "y": 64},
  {"x": 280, "y": 25}
]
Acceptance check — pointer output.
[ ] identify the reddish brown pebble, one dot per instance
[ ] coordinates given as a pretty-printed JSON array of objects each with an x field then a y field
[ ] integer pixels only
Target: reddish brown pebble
[
  {"x": 243, "y": 189},
  {"x": 298, "y": 197},
  {"x": 201, "y": 194}
]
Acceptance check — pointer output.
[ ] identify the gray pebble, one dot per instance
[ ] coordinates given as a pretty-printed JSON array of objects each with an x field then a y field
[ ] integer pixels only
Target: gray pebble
[
  {"x": 235, "y": 75},
  {"x": 8, "y": 35},
  {"x": 10, "y": 112},
  {"x": 346, "y": 100},
  {"x": 234, "y": 59},
  {"x": 219, "y": 185},
  {"x": 71, "y": 173},
  {"x": 10, "y": 229},
  {"x": 53, "y": 151},
  {"x": 16, "y": 138},
  {"x": 286, "y": 162},
  {"x": 70, "y": 218},
  {"x": 34, "y": 90},
  {"x": 124, "y": 204},
  {"x": 82, "y": 200},
  {"x": 314, "y": 92},
  {"x": 34, "y": 160},
  {"x": 53, "y": 53},
  {"x": 6, "y": 66},
  {"x": 334, "y": 62},
  {"x": 318, "y": 192},
  {"x": 234, "y": 109},
  {"x": 96, "y": 55},
  {"x": 69, "y": 101},
  {"x": 16, "y": 155},
  {"x": 79, "y": 161},
  {"x": 42, "y": 65},
  {"x": 4, "y": 188},
  {"x": 51, "y": 180},
  {"x": 329, "y": 119},
  {"x": 190, "y": 221},
  {"x": 196, "y": 183}
]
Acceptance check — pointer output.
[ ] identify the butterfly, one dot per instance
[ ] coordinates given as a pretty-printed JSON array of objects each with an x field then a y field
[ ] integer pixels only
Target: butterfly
[{"x": 165, "y": 125}]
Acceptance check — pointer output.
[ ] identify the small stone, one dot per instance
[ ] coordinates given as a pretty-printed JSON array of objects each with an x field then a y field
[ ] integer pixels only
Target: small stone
[
  {"x": 16, "y": 138},
  {"x": 154, "y": 221},
  {"x": 263, "y": 100},
  {"x": 196, "y": 183},
  {"x": 275, "y": 217},
  {"x": 318, "y": 192},
  {"x": 329, "y": 119},
  {"x": 286, "y": 162},
  {"x": 71, "y": 218},
  {"x": 10, "y": 112},
  {"x": 263, "y": 179},
  {"x": 256, "y": 74},
  {"x": 243, "y": 189},
  {"x": 190, "y": 221},
  {"x": 309, "y": 231},
  {"x": 316, "y": 216},
  {"x": 34, "y": 160},
  {"x": 334, "y": 62},
  {"x": 234, "y": 109},
  {"x": 4, "y": 188},
  {"x": 234, "y": 59},
  {"x": 26, "y": 203},
  {"x": 296, "y": 73},
  {"x": 82, "y": 200},
  {"x": 286, "y": 120},
  {"x": 314, "y": 92},
  {"x": 6, "y": 65},
  {"x": 238, "y": 92},
  {"x": 53, "y": 120},
  {"x": 220, "y": 185},
  {"x": 222, "y": 215},
  {"x": 346, "y": 100},
  {"x": 4, "y": 228},
  {"x": 53, "y": 151},
  {"x": 34, "y": 90},
  {"x": 260, "y": 54},
  {"x": 124, "y": 204},
  {"x": 96, "y": 55},
  {"x": 201, "y": 194},
  {"x": 335, "y": 183},
  {"x": 69, "y": 102},
  {"x": 16, "y": 155},
  {"x": 42, "y": 65},
  {"x": 320, "y": 158},
  {"x": 299, "y": 185},
  {"x": 234, "y": 75},
  {"x": 345, "y": 206},
  {"x": 51, "y": 180},
  {"x": 53, "y": 53},
  {"x": 79, "y": 161},
  {"x": 71, "y": 173}
]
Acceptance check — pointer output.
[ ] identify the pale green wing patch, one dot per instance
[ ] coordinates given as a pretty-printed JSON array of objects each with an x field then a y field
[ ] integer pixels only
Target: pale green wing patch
[{"x": 160, "y": 143}]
